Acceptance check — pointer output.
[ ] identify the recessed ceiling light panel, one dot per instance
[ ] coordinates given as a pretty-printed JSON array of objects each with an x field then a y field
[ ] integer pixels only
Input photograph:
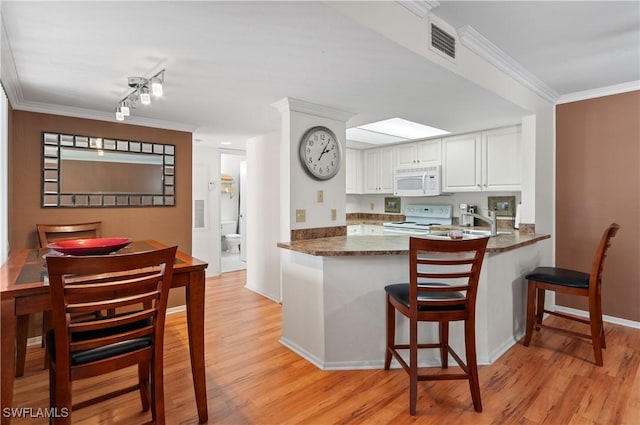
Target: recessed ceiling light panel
[
  {"x": 403, "y": 128},
  {"x": 391, "y": 131},
  {"x": 357, "y": 134}
]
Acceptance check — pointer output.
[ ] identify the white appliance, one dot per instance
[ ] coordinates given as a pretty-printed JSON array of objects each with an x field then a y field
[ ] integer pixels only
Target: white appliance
[
  {"x": 419, "y": 218},
  {"x": 424, "y": 181}
]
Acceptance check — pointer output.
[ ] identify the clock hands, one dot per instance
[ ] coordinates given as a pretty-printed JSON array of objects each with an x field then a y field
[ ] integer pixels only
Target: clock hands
[{"x": 324, "y": 150}]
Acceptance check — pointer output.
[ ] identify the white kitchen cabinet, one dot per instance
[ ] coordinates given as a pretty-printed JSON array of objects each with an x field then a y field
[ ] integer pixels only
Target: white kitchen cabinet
[
  {"x": 418, "y": 154},
  {"x": 378, "y": 170},
  {"x": 502, "y": 159},
  {"x": 487, "y": 161},
  {"x": 461, "y": 163},
  {"x": 353, "y": 164}
]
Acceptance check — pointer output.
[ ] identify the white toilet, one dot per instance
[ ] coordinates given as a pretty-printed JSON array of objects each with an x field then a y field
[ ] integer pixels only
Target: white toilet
[{"x": 230, "y": 239}]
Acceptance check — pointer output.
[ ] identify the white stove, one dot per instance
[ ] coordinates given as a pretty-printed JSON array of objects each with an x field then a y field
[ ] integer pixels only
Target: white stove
[{"x": 420, "y": 218}]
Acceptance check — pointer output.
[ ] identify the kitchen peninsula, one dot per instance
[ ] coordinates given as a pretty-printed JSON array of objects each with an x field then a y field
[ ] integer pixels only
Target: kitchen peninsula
[{"x": 333, "y": 299}]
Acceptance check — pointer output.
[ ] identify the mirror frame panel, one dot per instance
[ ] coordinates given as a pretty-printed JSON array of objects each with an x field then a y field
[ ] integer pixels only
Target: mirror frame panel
[{"x": 53, "y": 197}]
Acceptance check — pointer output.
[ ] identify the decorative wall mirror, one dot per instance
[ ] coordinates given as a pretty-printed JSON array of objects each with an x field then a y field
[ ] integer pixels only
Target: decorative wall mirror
[{"x": 81, "y": 171}]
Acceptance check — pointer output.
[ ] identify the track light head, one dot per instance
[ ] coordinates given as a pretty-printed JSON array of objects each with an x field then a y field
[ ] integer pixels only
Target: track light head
[
  {"x": 124, "y": 107},
  {"x": 156, "y": 86},
  {"x": 145, "y": 97}
]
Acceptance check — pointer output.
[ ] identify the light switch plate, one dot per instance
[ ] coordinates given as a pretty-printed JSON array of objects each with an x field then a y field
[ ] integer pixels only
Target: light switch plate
[
  {"x": 334, "y": 214},
  {"x": 301, "y": 216},
  {"x": 320, "y": 196}
]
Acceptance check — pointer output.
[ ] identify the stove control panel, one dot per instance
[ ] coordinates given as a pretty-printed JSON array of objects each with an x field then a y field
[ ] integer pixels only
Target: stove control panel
[{"x": 429, "y": 211}]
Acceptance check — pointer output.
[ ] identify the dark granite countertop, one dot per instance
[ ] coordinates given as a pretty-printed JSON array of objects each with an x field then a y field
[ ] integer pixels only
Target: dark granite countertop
[{"x": 394, "y": 244}]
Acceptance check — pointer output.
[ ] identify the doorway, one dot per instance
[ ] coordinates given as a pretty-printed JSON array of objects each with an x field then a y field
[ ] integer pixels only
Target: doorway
[{"x": 233, "y": 169}]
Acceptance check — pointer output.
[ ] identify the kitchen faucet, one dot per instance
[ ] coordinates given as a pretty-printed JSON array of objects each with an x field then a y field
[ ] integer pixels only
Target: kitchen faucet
[{"x": 491, "y": 220}]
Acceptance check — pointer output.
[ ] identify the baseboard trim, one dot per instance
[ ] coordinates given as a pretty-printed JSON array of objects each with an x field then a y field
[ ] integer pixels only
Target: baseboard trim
[
  {"x": 264, "y": 294},
  {"x": 608, "y": 319}
]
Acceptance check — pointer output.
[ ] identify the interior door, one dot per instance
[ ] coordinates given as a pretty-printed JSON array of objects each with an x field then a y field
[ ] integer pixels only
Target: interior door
[{"x": 243, "y": 211}]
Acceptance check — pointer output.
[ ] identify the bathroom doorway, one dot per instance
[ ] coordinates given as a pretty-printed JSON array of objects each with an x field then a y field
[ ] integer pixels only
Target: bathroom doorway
[{"x": 233, "y": 212}]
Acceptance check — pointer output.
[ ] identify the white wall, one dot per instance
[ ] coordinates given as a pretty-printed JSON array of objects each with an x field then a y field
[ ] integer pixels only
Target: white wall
[
  {"x": 303, "y": 189},
  {"x": 299, "y": 190},
  {"x": 206, "y": 186},
  {"x": 263, "y": 194}
]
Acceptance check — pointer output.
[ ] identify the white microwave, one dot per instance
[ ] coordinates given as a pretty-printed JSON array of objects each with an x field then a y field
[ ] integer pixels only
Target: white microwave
[{"x": 424, "y": 181}]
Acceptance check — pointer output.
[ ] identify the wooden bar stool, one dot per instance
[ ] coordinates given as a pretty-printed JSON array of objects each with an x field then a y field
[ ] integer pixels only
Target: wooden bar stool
[
  {"x": 575, "y": 283},
  {"x": 442, "y": 288}
]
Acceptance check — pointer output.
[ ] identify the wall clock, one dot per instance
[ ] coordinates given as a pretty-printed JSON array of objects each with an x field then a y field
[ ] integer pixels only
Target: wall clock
[{"x": 320, "y": 153}]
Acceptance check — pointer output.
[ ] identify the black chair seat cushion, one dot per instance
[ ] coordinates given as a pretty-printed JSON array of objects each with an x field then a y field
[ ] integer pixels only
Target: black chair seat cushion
[
  {"x": 558, "y": 276},
  {"x": 400, "y": 292},
  {"x": 95, "y": 354}
]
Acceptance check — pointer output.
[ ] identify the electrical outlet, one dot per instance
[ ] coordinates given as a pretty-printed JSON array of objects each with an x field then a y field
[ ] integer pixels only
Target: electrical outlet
[
  {"x": 320, "y": 196},
  {"x": 334, "y": 214},
  {"x": 301, "y": 216},
  {"x": 372, "y": 206}
]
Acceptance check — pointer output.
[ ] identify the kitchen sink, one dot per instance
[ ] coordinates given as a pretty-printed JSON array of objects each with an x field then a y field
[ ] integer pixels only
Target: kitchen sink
[
  {"x": 466, "y": 234},
  {"x": 445, "y": 235},
  {"x": 482, "y": 232}
]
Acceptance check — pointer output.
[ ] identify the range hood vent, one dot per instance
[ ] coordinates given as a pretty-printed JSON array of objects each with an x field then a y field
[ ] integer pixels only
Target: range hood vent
[{"x": 443, "y": 41}]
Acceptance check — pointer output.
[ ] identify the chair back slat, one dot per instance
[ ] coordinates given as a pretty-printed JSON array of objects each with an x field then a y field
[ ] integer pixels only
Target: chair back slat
[
  {"x": 48, "y": 233},
  {"x": 119, "y": 301},
  {"x": 111, "y": 321},
  {"x": 438, "y": 267},
  {"x": 136, "y": 285}
]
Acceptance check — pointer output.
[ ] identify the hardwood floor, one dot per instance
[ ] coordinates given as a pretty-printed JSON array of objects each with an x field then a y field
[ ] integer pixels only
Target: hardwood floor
[{"x": 252, "y": 379}]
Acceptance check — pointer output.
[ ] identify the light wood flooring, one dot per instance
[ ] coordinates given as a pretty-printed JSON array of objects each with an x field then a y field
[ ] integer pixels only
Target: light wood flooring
[{"x": 252, "y": 379}]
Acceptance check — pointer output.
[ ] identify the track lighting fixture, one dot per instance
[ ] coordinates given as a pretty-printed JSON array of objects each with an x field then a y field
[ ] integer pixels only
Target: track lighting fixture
[{"x": 143, "y": 87}]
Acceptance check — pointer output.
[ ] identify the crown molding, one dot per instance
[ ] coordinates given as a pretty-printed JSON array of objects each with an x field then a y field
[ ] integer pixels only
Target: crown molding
[
  {"x": 45, "y": 108},
  {"x": 419, "y": 8},
  {"x": 603, "y": 91},
  {"x": 8, "y": 72},
  {"x": 488, "y": 51},
  {"x": 292, "y": 104}
]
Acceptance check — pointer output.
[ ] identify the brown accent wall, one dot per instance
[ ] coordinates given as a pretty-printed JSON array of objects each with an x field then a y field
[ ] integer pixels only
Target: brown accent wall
[
  {"x": 597, "y": 183},
  {"x": 171, "y": 225}
]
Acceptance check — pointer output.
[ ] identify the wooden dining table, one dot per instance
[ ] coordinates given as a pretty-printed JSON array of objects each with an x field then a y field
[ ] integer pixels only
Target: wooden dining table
[{"x": 24, "y": 290}]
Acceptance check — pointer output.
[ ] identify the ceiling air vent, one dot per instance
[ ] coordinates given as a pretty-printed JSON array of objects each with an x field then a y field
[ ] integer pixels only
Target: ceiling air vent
[{"x": 443, "y": 41}]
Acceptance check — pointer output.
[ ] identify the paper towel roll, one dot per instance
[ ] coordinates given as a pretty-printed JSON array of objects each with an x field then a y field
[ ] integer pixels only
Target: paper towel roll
[{"x": 516, "y": 221}]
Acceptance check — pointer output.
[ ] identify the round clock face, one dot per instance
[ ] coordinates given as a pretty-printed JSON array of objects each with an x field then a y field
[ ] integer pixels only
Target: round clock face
[{"x": 320, "y": 153}]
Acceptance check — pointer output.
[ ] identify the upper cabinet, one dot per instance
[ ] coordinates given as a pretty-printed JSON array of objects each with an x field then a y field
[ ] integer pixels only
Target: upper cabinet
[
  {"x": 489, "y": 161},
  {"x": 419, "y": 154},
  {"x": 378, "y": 170},
  {"x": 502, "y": 159},
  {"x": 461, "y": 163},
  {"x": 353, "y": 171}
]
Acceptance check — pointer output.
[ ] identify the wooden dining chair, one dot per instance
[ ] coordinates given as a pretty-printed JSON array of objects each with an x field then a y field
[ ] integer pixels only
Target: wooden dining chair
[
  {"x": 571, "y": 282},
  {"x": 442, "y": 288},
  {"x": 48, "y": 233},
  {"x": 138, "y": 283}
]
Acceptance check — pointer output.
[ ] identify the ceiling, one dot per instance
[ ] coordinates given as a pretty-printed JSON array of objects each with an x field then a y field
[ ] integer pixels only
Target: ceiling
[{"x": 228, "y": 62}]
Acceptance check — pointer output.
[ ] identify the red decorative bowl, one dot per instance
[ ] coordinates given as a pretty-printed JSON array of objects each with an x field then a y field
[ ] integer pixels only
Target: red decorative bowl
[{"x": 96, "y": 246}]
